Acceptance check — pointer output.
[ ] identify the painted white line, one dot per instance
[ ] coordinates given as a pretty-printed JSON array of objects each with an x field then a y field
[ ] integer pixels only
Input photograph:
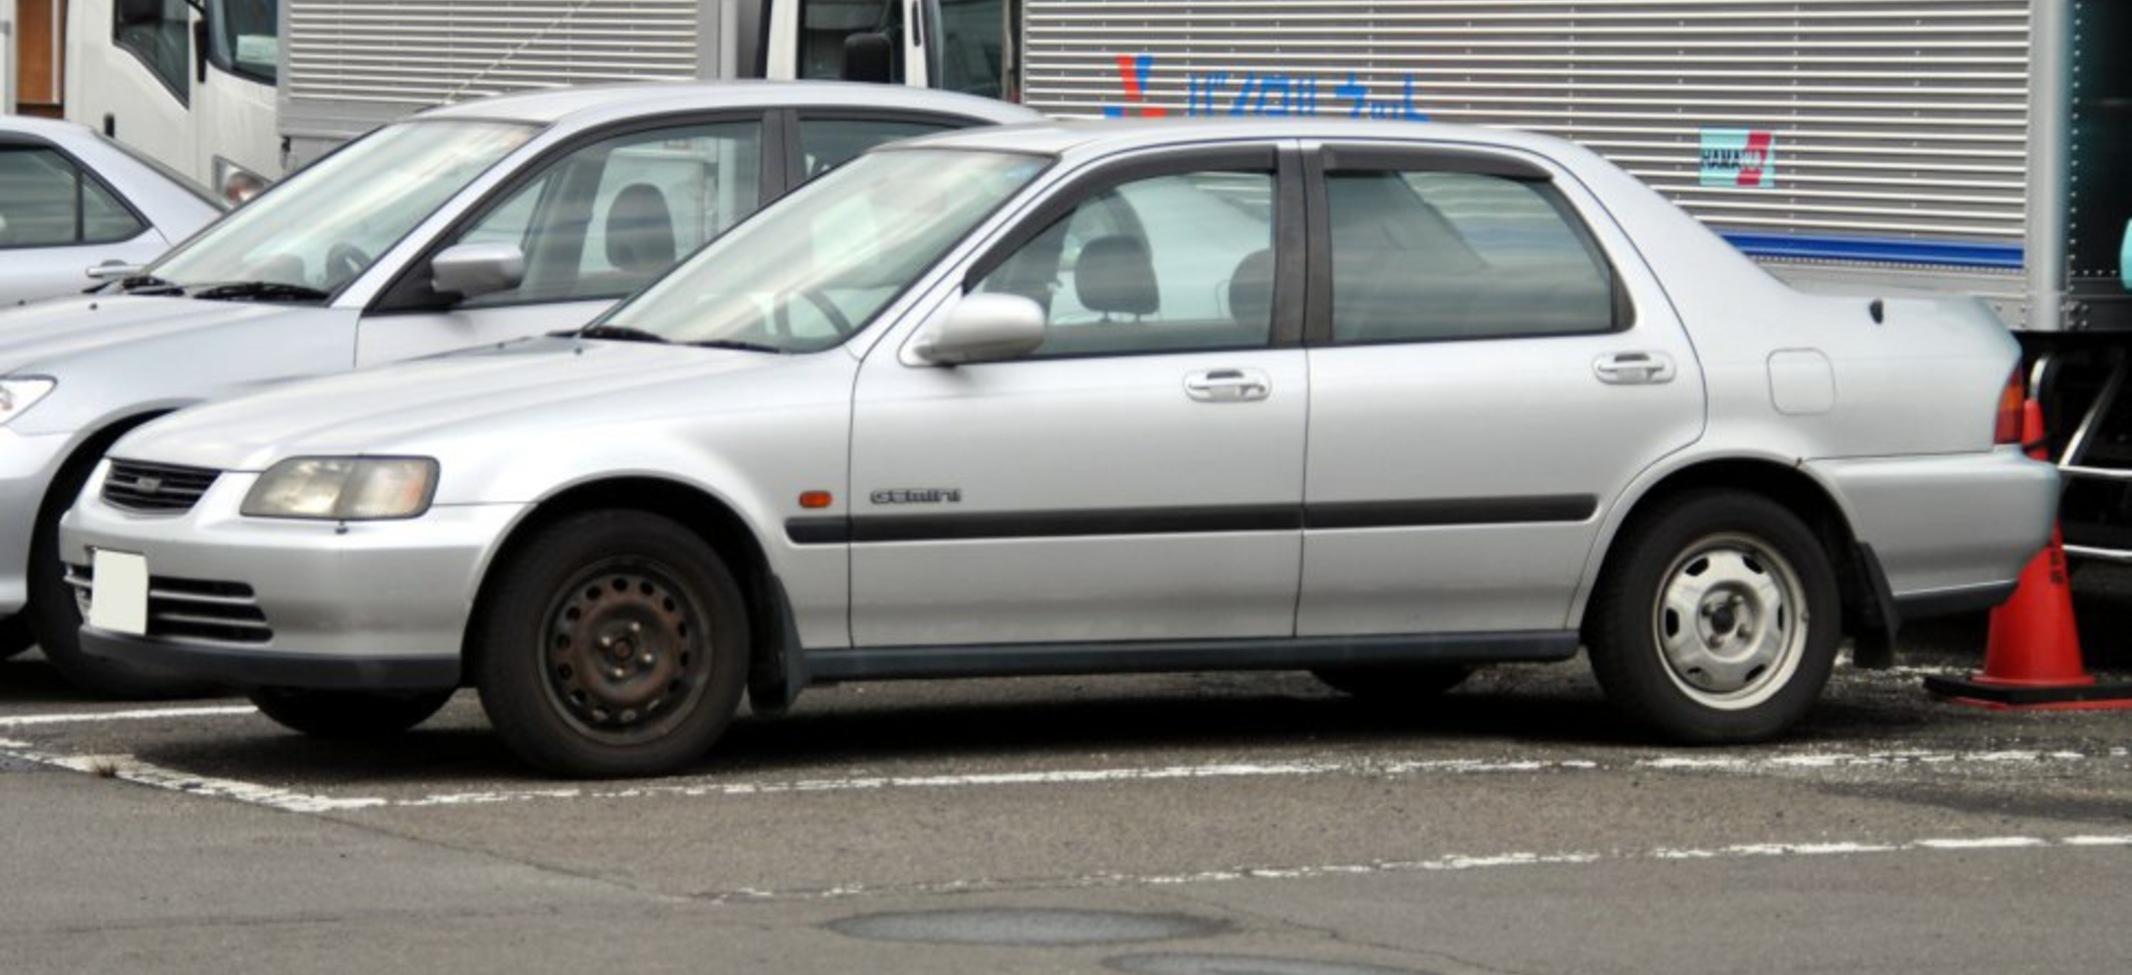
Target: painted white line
[
  {"x": 1728, "y": 764},
  {"x": 130, "y": 769},
  {"x": 138, "y": 714},
  {"x": 1443, "y": 863}
]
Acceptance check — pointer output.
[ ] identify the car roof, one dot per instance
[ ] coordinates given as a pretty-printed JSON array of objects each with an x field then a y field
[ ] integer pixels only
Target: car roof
[
  {"x": 594, "y": 104},
  {"x": 48, "y": 129},
  {"x": 1099, "y": 137}
]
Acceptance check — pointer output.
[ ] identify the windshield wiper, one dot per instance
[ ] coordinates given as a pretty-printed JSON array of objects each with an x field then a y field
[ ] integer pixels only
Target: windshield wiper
[
  {"x": 620, "y": 333},
  {"x": 741, "y": 345},
  {"x": 149, "y": 284},
  {"x": 260, "y": 291}
]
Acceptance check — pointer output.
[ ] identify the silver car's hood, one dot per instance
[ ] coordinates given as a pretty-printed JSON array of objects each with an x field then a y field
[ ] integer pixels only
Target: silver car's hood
[
  {"x": 538, "y": 384},
  {"x": 37, "y": 337}
]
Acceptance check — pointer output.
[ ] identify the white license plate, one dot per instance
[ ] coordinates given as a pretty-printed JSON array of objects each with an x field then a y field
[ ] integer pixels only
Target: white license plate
[{"x": 119, "y": 600}]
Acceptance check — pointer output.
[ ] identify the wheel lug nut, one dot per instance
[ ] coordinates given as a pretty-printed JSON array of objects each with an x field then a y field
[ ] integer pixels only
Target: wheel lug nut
[
  {"x": 618, "y": 673},
  {"x": 648, "y": 659},
  {"x": 606, "y": 641},
  {"x": 635, "y": 627}
]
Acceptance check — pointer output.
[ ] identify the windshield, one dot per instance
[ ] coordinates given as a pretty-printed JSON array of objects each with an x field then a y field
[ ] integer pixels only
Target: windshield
[
  {"x": 321, "y": 227},
  {"x": 245, "y": 38},
  {"x": 817, "y": 266}
]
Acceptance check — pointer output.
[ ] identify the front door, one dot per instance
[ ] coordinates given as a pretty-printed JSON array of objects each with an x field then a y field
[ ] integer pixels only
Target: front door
[{"x": 1139, "y": 477}]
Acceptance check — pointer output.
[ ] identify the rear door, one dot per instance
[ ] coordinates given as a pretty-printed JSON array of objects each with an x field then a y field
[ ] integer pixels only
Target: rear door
[
  {"x": 1490, "y": 365},
  {"x": 1139, "y": 477}
]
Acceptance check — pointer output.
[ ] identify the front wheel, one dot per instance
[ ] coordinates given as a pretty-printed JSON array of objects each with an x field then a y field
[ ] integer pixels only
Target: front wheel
[
  {"x": 1719, "y": 621},
  {"x": 614, "y": 644},
  {"x": 348, "y": 714}
]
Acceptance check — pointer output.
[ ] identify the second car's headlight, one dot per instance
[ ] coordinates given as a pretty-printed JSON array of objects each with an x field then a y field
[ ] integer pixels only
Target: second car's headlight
[
  {"x": 18, "y": 395},
  {"x": 344, "y": 488}
]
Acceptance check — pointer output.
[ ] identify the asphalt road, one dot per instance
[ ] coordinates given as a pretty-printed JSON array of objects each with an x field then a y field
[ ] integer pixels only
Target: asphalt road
[{"x": 1196, "y": 824}]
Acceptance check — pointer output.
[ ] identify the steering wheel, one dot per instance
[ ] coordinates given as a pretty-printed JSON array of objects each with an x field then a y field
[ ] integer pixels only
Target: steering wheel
[
  {"x": 343, "y": 262},
  {"x": 822, "y": 304}
]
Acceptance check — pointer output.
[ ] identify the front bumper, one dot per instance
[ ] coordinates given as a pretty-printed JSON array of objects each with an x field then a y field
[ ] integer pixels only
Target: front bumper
[
  {"x": 284, "y": 603},
  {"x": 1952, "y": 532},
  {"x": 27, "y": 466}
]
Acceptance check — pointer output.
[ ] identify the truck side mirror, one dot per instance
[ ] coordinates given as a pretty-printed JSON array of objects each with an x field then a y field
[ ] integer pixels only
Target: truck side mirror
[
  {"x": 984, "y": 328},
  {"x": 869, "y": 57},
  {"x": 473, "y": 270}
]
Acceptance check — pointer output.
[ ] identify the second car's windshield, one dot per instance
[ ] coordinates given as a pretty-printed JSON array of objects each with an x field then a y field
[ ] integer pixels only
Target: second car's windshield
[
  {"x": 324, "y": 225},
  {"x": 819, "y": 264}
]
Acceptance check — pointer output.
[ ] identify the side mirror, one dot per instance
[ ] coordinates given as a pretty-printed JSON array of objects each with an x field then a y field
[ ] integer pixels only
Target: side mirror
[
  {"x": 473, "y": 270},
  {"x": 984, "y": 328},
  {"x": 870, "y": 58}
]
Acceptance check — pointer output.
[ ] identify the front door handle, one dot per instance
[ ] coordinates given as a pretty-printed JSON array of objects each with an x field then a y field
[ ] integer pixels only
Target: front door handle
[
  {"x": 1228, "y": 385},
  {"x": 1635, "y": 368}
]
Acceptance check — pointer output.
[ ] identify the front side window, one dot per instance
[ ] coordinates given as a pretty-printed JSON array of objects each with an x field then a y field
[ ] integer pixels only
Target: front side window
[
  {"x": 819, "y": 264},
  {"x": 607, "y": 219},
  {"x": 159, "y": 32},
  {"x": 48, "y": 201},
  {"x": 325, "y": 224},
  {"x": 1421, "y": 256},
  {"x": 1169, "y": 263},
  {"x": 246, "y": 38},
  {"x": 838, "y": 35}
]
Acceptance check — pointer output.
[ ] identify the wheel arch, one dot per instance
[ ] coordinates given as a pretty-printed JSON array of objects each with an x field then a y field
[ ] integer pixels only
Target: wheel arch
[
  {"x": 1866, "y": 613},
  {"x": 713, "y": 520}
]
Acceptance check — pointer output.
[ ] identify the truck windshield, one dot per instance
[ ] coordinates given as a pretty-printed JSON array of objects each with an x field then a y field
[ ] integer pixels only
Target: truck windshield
[
  {"x": 323, "y": 226},
  {"x": 244, "y": 38},
  {"x": 816, "y": 266}
]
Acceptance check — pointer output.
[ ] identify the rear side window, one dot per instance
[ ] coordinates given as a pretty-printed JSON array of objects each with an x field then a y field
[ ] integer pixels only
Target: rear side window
[
  {"x": 1422, "y": 256},
  {"x": 828, "y": 143},
  {"x": 48, "y": 201}
]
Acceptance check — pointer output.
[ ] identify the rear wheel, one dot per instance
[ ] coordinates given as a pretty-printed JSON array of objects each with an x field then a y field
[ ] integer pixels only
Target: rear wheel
[
  {"x": 1720, "y": 621},
  {"x": 615, "y": 644},
  {"x": 348, "y": 714},
  {"x": 1392, "y": 684}
]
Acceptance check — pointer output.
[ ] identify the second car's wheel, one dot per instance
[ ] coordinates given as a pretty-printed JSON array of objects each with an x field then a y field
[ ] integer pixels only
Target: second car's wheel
[
  {"x": 1394, "y": 683},
  {"x": 348, "y": 714},
  {"x": 613, "y": 644},
  {"x": 55, "y": 618},
  {"x": 1719, "y": 621}
]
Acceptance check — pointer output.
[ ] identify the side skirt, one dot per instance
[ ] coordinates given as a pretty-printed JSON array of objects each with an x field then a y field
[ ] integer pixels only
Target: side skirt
[{"x": 1158, "y": 656}]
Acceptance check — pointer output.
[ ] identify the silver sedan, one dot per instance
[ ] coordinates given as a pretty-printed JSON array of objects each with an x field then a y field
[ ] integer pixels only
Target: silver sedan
[
  {"x": 1384, "y": 403},
  {"x": 76, "y": 208}
]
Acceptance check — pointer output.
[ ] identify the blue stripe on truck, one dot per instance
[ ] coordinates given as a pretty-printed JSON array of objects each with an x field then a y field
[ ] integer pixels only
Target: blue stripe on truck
[{"x": 1879, "y": 250}]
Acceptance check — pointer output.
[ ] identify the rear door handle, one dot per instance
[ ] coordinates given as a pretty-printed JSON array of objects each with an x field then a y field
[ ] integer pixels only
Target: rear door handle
[
  {"x": 1635, "y": 368},
  {"x": 1228, "y": 385}
]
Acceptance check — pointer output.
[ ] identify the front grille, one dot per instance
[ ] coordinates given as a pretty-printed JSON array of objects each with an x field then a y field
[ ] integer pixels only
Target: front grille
[
  {"x": 197, "y": 609},
  {"x": 161, "y": 488}
]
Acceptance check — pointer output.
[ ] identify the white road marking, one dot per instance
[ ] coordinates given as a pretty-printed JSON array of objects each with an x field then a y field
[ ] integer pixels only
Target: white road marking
[{"x": 139, "y": 714}]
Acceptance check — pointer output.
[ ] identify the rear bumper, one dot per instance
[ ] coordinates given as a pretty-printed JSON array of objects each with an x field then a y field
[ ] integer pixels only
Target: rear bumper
[{"x": 1952, "y": 532}]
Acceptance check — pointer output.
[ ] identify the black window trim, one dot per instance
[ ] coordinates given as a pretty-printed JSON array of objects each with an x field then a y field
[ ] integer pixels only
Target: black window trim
[
  {"x": 1281, "y": 159},
  {"x": 1318, "y": 324},
  {"x": 83, "y": 174}
]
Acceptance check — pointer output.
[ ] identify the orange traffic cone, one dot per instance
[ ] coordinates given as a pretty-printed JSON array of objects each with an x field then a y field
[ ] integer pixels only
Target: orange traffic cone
[{"x": 2032, "y": 656}]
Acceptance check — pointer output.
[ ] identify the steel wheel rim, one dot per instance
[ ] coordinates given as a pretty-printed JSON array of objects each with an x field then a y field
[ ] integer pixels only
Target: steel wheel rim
[
  {"x": 1730, "y": 621},
  {"x": 626, "y": 651}
]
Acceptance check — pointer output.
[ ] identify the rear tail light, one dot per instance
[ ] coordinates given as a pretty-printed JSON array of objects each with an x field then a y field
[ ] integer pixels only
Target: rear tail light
[{"x": 2007, "y": 428}]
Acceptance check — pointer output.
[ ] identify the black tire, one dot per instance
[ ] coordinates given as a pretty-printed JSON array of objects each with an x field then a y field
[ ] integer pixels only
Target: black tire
[
  {"x": 614, "y": 643},
  {"x": 15, "y": 636},
  {"x": 1394, "y": 684},
  {"x": 55, "y": 618},
  {"x": 1717, "y": 620},
  {"x": 348, "y": 714}
]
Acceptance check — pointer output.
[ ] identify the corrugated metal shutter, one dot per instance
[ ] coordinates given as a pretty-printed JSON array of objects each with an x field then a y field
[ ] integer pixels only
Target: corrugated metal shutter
[
  {"x": 416, "y": 53},
  {"x": 1897, "y": 119}
]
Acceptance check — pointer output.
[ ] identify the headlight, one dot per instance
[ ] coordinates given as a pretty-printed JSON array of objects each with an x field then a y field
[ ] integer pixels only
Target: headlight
[
  {"x": 18, "y": 395},
  {"x": 344, "y": 488},
  {"x": 236, "y": 184}
]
